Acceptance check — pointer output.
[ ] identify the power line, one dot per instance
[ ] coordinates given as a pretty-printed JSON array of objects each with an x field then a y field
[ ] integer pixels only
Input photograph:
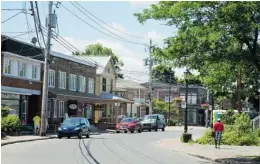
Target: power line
[
  {"x": 13, "y": 37},
  {"x": 102, "y": 21},
  {"x": 11, "y": 17},
  {"x": 35, "y": 23},
  {"x": 39, "y": 22},
  {"x": 100, "y": 30},
  {"x": 12, "y": 9}
]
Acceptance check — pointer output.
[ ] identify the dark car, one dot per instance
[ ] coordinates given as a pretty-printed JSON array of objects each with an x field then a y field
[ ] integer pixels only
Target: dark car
[
  {"x": 129, "y": 124},
  {"x": 76, "y": 126},
  {"x": 153, "y": 121}
]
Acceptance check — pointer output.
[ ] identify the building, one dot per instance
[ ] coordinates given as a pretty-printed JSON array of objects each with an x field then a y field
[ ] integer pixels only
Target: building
[
  {"x": 106, "y": 77},
  {"x": 133, "y": 91},
  {"x": 71, "y": 87},
  {"x": 21, "y": 73},
  {"x": 197, "y": 96}
]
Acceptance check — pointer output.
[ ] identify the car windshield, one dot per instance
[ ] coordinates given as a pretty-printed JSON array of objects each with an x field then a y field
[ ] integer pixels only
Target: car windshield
[
  {"x": 127, "y": 120},
  {"x": 150, "y": 117},
  {"x": 71, "y": 121}
]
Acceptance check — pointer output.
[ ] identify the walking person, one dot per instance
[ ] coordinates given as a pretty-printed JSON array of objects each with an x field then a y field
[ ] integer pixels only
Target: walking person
[
  {"x": 218, "y": 129},
  {"x": 36, "y": 121}
]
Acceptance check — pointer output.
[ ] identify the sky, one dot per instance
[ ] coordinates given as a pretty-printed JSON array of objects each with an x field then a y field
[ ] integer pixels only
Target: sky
[{"x": 119, "y": 15}]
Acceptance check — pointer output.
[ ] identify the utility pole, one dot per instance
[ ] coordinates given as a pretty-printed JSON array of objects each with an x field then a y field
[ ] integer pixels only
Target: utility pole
[
  {"x": 207, "y": 111},
  {"x": 150, "y": 78},
  {"x": 186, "y": 101},
  {"x": 170, "y": 81},
  {"x": 46, "y": 73}
]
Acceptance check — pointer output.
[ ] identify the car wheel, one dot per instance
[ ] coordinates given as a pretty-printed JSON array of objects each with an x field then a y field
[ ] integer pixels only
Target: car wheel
[
  {"x": 68, "y": 137},
  {"x": 125, "y": 131},
  {"x": 87, "y": 136},
  {"x": 59, "y": 136},
  {"x": 117, "y": 131},
  {"x": 163, "y": 129},
  {"x": 149, "y": 130},
  {"x": 140, "y": 130},
  {"x": 80, "y": 134},
  {"x": 156, "y": 129}
]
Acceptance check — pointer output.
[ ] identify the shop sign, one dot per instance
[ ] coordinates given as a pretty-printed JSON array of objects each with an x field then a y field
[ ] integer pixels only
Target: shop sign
[{"x": 73, "y": 106}]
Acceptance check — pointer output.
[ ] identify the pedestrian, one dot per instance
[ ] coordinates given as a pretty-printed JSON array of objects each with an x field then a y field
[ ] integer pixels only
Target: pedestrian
[
  {"x": 218, "y": 129},
  {"x": 36, "y": 121}
]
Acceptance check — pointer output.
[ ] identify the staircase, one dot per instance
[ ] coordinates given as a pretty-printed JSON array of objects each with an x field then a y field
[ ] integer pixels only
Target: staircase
[{"x": 256, "y": 122}]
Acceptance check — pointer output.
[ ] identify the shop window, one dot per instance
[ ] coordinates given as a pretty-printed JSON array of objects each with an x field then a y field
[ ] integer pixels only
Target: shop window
[{"x": 104, "y": 110}]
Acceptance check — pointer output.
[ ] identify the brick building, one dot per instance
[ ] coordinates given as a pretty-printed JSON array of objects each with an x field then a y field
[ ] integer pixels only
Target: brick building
[
  {"x": 21, "y": 78},
  {"x": 71, "y": 87}
]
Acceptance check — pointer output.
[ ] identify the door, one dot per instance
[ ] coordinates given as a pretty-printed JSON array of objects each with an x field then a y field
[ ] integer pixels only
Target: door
[
  {"x": 84, "y": 126},
  {"x": 137, "y": 124}
]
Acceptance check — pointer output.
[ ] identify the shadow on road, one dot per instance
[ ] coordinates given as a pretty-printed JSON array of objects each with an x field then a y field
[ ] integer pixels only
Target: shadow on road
[{"x": 239, "y": 160}]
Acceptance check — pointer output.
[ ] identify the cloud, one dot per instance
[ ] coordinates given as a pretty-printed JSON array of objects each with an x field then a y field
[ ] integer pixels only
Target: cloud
[{"x": 142, "y": 3}]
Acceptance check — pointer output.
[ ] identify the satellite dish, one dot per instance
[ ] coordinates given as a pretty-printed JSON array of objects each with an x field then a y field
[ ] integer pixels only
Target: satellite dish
[{"x": 34, "y": 40}]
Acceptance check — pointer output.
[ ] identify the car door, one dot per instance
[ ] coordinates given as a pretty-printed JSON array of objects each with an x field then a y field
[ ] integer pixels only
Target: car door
[
  {"x": 84, "y": 126},
  {"x": 159, "y": 121},
  {"x": 137, "y": 124},
  {"x": 88, "y": 125}
]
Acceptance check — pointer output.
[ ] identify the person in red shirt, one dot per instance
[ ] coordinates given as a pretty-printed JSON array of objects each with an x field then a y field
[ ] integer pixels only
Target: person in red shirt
[{"x": 218, "y": 129}]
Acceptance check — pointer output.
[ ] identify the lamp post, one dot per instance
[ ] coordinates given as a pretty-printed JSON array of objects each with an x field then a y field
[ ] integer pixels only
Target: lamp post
[{"x": 186, "y": 101}]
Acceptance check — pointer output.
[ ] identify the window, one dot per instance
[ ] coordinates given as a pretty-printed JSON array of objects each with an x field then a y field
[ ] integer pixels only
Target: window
[
  {"x": 73, "y": 82},
  {"x": 111, "y": 85},
  {"x": 62, "y": 80},
  {"x": 7, "y": 66},
  {"x": 55, "y": 109},
  {"x": 61, "y": 108},
  {"x": 167, "y": 98},
  {"x": 49, "y": 108},
  {"x": 90, "y": 85},
  {"x": 104, "y": 110},
  {"x": 21, "y": 69},
  {"x": 51, "y": 78},
  {"x": 82, "y": 84},
  {"x": 104, "y": 84},
  {"x": 34, "y": 72}
]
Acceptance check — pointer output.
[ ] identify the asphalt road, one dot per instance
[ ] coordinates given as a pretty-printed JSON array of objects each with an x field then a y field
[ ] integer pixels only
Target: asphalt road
[{"x": 99, "y": 149}]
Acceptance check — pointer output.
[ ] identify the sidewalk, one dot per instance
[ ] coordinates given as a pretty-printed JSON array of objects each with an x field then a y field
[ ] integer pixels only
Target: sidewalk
[
  {"x": 16, "y": 139},
  {"x": 226, "y": 154}
]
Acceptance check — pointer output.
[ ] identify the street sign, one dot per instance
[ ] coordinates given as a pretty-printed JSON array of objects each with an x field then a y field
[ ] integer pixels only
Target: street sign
[{"x": 183, "y": 104}]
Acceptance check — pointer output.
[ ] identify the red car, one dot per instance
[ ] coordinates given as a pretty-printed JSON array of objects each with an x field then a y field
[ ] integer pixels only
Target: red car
[{"x": 129, "y": 124}]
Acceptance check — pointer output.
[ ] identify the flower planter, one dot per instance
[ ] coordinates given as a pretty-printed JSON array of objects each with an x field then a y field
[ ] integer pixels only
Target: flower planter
[{"x": 186, "y": 137}]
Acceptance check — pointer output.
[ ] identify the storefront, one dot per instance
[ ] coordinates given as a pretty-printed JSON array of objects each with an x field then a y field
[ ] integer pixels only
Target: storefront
[{"x": 18, "y": 102}]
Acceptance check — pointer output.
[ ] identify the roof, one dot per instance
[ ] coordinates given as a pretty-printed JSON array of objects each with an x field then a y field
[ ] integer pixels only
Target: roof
[
  {"x": 102, "y": 62},
  {"x": 78, "y": 59},
  {"x": 128, "y": 84},
  {"x": 111, "y": 97}
]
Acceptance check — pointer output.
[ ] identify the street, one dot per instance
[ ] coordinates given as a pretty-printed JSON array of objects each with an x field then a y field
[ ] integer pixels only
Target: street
[{"x": 99, "y": 149}]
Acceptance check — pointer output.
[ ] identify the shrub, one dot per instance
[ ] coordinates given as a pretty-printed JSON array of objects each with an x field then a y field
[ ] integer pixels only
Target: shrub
[
  {"x": 172, "y": 122},
  {"x": 239, "y": 134},
  {"x": 10, "y": 124},
  {"x": 4, "y": 111},
  {"x": 257, "y": 131}
]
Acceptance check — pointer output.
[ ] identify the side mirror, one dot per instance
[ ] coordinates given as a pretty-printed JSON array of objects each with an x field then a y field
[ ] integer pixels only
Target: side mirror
[{"x": 82, "y": 124}]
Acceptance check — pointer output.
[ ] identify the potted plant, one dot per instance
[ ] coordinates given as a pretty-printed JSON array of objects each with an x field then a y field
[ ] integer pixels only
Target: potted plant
[{"x": 186, "y": 137}]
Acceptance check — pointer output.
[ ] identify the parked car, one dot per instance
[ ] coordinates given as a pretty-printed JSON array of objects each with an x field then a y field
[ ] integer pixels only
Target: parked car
[
  {"x": 153, "y": 122},
  {"x": 75, "y": 126},
  {"x": 129, "y": 124}
]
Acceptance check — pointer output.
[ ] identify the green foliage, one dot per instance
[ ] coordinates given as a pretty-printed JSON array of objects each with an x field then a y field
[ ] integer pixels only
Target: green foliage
[
  {"x": 239, "y": 134},
  {"x": 162, "y": 107},
  {"x": 10, "y": 124},
  {"x": 217, "y": 38},
  {"x": 99, "y": 50},
  {"x": 172, "y": 122},
  {"x": 229, "y": 117},
  {"x": 192, "y": 79},
  {"x": 163, "y": 73},
  {"x": 257, "y": 131},
  {"x": 4, "y": 111}
]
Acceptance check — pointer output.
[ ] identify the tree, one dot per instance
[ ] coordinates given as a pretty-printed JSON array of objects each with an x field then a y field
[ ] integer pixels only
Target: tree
[
  {"x": 163, "y": 73},
  {"x": 192, "y": 79},
  {"x": 99, "y": 50},
  {"x": 219, "y": 39},
  {"x": 209, "y": 31}
]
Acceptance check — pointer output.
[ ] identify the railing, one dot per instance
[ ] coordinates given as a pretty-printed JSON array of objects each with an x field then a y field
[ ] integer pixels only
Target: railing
[{"x": 256, "y": 122}]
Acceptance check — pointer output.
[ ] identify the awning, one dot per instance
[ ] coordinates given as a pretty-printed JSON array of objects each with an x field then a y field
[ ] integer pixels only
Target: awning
[
  {"x": 72, "y": 95},
  {"x": 19, "y": 91},
  {"x": 141, "y": 104},
  {"x": 110, "y": 97}
]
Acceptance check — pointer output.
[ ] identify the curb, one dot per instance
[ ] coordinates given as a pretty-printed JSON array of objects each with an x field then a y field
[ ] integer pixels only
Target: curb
[{"x": 28, "y": 140}]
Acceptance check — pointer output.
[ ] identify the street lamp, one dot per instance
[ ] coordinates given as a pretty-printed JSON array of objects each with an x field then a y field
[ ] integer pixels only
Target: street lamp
[{"x": 186, "y": 101}]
